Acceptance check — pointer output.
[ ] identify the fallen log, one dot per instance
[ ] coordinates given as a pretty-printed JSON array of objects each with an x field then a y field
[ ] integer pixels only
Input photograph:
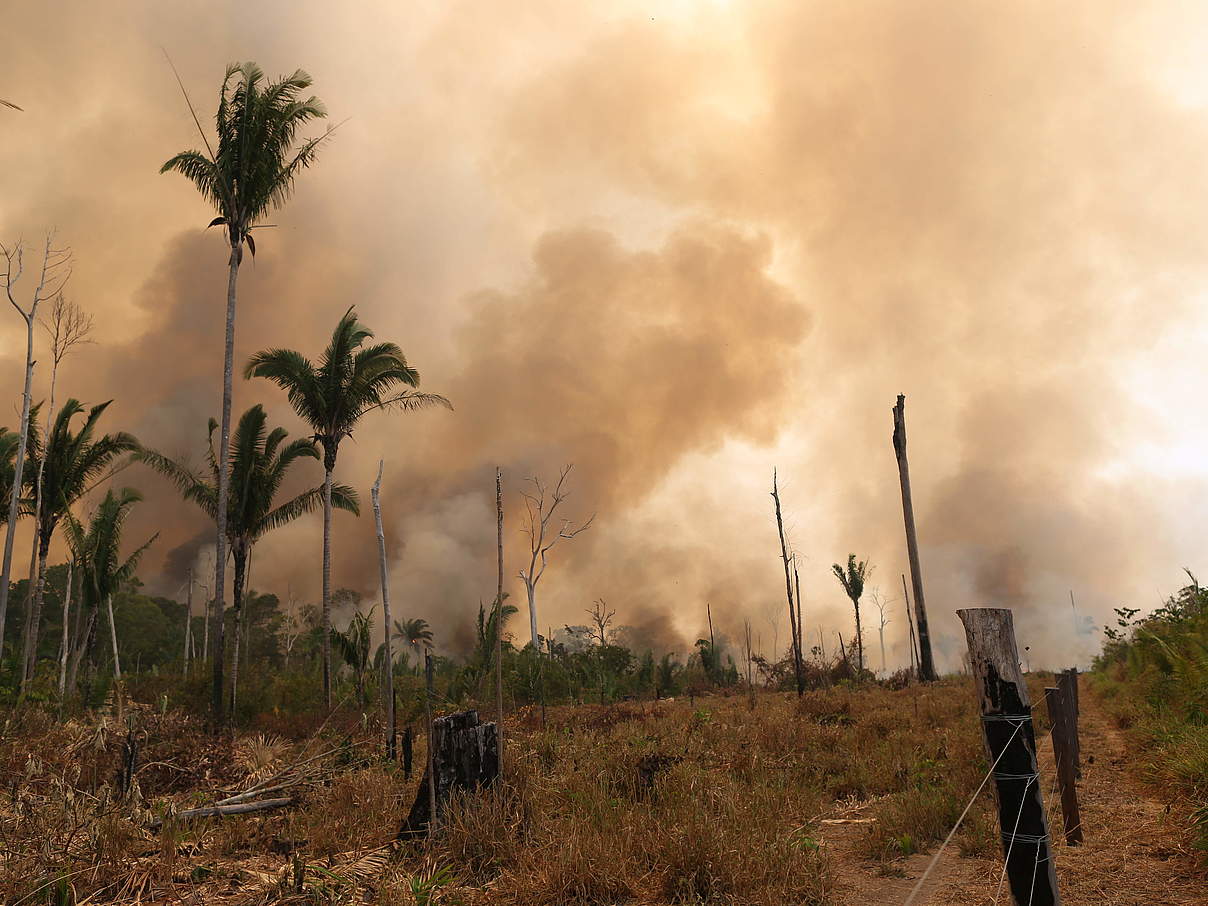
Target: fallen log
[{"x": 238, "y": 808}]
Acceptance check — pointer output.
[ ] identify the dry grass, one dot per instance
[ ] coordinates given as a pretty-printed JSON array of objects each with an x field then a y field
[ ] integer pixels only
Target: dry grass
[{"x": 644, "y": 803}]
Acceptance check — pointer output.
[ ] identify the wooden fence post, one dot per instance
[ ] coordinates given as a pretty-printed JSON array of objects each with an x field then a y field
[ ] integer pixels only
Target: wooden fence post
[
  {"x": 1011, "y": 748},
  {"x": 1067, "y": 682},
  {"x": 1063, "y": 754}
]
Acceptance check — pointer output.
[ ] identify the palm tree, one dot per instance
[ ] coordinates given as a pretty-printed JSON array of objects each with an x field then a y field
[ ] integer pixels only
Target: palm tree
[
  {"x": 258, "y": 461},
  {"x": 353, "y": 645},
  {"x": 350, "y": 381},
  {"x": 97, "y": 551},
  {"x": 852, "y": 580},
  {"x": 414, "y": 633},
  {"x": 70, "y": 464},
  {"x": 251, "y": 174}
]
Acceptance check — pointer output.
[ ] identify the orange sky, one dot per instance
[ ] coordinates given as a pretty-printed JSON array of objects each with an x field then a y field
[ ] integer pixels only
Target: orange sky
[{"x": 676, "y": 244}]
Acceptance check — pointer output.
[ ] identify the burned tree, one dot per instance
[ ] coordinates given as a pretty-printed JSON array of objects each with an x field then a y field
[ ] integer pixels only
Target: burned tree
[
  {"x": 788, "y": 586},
  {"x": 54, "y": 274},
  {"x": 926, "y": 664},
  {"x": 540, "y": 509}
]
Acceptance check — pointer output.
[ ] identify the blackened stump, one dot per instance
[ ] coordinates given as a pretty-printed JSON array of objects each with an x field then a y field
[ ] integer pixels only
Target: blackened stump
[{"x": 465, "y": 756}]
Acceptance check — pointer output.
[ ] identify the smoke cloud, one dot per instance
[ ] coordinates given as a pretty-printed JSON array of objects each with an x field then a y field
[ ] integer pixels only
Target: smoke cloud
[{"x": 676, "y": 246}]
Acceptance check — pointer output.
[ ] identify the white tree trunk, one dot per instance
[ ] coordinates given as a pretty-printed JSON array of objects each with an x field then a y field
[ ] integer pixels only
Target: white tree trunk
[
  {"x": 14, "y": 503},
  {"x": 188, "y": 623},
  {"x": 66, "y": 643},
  {"x": 31, "y": 654},
  {"x": 532, "y": 603},
  {"x": 117, "y": 664}
]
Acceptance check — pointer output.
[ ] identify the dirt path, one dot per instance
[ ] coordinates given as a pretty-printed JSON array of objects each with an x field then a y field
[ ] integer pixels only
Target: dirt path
[{"x": 1133, "y": 855}]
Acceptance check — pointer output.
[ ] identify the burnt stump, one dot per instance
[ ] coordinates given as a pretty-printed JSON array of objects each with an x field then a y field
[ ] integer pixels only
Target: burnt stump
[{"x": 465, "y": 756}]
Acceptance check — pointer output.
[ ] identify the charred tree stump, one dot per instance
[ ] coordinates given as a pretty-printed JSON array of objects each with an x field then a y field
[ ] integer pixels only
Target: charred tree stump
[
  {"x": 1011, "y": 748},
  {"x": 129, "y": 765},
  {"x": 465, "y": 756}
]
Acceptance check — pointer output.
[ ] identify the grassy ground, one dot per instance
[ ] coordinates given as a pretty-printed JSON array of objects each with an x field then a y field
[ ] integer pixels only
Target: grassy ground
[{"x": 732, "y": 815}]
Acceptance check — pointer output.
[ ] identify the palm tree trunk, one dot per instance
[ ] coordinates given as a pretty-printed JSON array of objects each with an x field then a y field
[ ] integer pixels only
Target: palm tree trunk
[
  {"x": 14, "y": 503},
  {"x": 117, "y": 664},
  {"x": 240, "y": 553},
  {"x": 65, "y": 646},
  {"x": 35, "y": 616},
  {"x": 85, "y": 641},
  {"x": 224, "y": 481},
  {"x": 859, "y": 637},
  {"x": 327, "y": 585}
]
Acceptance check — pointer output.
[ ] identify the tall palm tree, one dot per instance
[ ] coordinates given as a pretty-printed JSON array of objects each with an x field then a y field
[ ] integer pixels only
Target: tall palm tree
[
  {"x": 852, "y": 580},
  {"x": 97, "y": 550},
  {"x": 70, "y": 464},
  {"x": 414, "y": 633},
  {"x": 350, "y": 381},
  {"x": 258, "y": 461},
  {"x": 251, "y": 173}
]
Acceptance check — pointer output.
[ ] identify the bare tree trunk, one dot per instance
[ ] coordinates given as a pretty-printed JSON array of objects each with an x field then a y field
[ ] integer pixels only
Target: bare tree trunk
[
  {"x": 327, "y": 585},
  {"x": 84, "y": 643},
  {"x": 188, "y": 623},
  {"x": 14, "y": 503},
  {"x": 205, "y": 624},
  {"x": 788, "y": 587},
  {"x": 27, "y": 609},
  {"x": 859, "y": 637},
  {"x": 224, "y": 485},
  {"x": 914, "y": 651},
  {"x": 388, "y": 691},
  {"x": 65, "y": 646},
  {"x": 532, "y": 604},
  {"x": 35, "y": 618},
  {"x": 499, "y": 620},
  {"x": 240, "y": 552},
  {"x": 117, "y": 664},
  {"x": 926, "y": 664}
]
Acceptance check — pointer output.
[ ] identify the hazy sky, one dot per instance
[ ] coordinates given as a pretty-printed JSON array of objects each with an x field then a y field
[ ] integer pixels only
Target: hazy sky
[{"x": 676, "y": 244}]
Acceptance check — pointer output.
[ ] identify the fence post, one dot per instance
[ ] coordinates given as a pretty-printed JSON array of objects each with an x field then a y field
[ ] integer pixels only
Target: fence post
[
  {"x": 1059, "y": 715},
  {"x": 1011, "y": 747},
  {"x": 1067, "y": 682}
]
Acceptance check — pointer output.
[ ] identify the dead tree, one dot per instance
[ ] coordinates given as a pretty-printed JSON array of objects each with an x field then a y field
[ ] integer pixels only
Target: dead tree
[
  {"x": 926, "y": 664},
  {"x": 464, "y": 756},
  {"x": 788, "y": 588},
  {"x": 55, "y": 272},
  {"x": 376, "y": 495},
  {"x": 499, "y": 617},
  {"x": 880, "y": 604},
  {"x": 540, "y": 508}
]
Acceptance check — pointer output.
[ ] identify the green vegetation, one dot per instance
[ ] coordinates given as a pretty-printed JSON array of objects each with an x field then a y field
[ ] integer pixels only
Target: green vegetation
[{"x": 1154, "y": 674}]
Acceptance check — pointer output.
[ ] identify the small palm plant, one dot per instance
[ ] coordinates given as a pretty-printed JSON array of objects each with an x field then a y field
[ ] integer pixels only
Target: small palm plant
[
  {"x": 70, "y": 464},
  {"x": 251, "y": 174},
  {"x": 350, "y": 381},
  {"x": 852, "y": 580},
  {"x": 353, "y": 646},
  {"x": 103, "y": 572},
  {"x": 259, "y": 461}
]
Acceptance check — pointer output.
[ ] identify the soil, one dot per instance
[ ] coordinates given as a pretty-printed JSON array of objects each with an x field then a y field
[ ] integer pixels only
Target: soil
[{"x": 1135, "y": 852}]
